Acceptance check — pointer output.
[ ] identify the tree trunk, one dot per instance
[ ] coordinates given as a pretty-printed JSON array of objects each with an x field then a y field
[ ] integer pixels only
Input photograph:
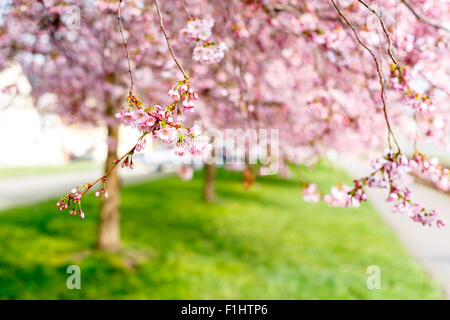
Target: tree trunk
[
  {"x": 209, "y": 188},
  {"x": 109, "y": 224},
  {"x": 249, "y": 176}
]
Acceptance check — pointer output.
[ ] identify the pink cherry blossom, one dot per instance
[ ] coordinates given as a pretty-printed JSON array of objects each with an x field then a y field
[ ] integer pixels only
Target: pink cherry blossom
[
  {"x": 167, "y": 134},
  {"x": 185, "y": 172},
  {"x": 311, "y": 193}
]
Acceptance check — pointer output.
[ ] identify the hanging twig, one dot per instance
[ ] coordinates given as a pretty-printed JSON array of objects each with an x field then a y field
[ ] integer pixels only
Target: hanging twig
[
  {"x": 88, "y": 186},
  {"x": 423, "y": 18},
  {"x": 183, "y": 4},
  {"x": 161, "y": 24},
  {"x": 385, "y": 31},
  {"x": 379, "y": 72},
  {"x": 126, "y": 48},
  {"x": 115, "y": 163}
]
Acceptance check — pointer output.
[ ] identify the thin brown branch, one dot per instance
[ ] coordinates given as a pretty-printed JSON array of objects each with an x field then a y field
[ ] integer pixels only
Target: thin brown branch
[
  {"x": 423, "y": 18},
  {"x": 126, "y": 47},
  {"x": 434, "y": 85},
  {"x": 163, "y": 29},
  {"x": 115, "y": 163},
  {"x": 379, "y": 72},
  {"x": 183, "y": 4},
  {"x": 386, "y": 32}
]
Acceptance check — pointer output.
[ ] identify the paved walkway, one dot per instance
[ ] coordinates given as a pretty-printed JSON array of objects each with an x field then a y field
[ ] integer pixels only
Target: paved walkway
[
  {"x": 30, "y": 189},
  {"x": 430, "y": 246}
]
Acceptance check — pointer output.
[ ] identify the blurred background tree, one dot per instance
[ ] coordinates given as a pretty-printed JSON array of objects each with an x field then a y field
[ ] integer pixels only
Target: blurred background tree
[{"x": 74, "y": 57}]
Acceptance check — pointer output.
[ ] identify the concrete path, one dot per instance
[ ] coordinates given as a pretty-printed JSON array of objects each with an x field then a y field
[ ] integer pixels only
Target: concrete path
[
  {"x": 30, "y": 189},
  {"x": 430, "y": 246}
]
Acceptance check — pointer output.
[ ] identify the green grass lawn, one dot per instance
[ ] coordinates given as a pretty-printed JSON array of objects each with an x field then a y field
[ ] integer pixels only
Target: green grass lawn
[
  {"x": 73, "y": 166},
  {"x": 265, "y": 243}
]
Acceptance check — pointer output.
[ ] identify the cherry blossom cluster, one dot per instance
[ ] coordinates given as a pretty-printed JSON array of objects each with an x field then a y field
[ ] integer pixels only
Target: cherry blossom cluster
[
  {"x": 128, "y": 162},
  {"x": 339, "y": 196},
  {"x": 434, "y": 125},
  {"x": 344, "y": 196},
  {"x": 197, "y": 32},
  {"x": 185, "y": 172},
  {"x": 399, "y": 78},
  {"x": 429, "y": 169},
  {"x": 101, "y": 191},
  {"x": 10, "y": 89},
  {"x": 240, "y": 31},
  {"x": 165, "y": 124},
  {"x": 311, "y": 193},
  {"x": 311, "y": 27},
  {"x": 72, "y": 201},
  {"x": 389, "y": 172},
  {"x": 285, "y": 50}
]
